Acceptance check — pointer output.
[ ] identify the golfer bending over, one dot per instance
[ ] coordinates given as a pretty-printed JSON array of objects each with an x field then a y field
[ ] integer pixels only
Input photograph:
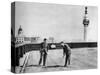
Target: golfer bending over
[{"x": 66, "y": 53}]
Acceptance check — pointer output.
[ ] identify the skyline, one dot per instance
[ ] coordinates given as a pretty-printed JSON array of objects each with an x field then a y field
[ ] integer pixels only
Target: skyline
[{"x": 63, "y": 22}]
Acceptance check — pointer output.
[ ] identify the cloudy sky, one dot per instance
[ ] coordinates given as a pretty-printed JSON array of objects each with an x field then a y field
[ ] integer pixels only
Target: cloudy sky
[{"x": 63, "y": 22}]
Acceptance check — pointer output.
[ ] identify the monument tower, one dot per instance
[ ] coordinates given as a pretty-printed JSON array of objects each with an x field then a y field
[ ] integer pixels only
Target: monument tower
[{"x": 85, "y": 23}]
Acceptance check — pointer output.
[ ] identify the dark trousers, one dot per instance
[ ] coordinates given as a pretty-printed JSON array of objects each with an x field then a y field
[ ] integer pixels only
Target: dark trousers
[
  {"x": 67, "y": 60},
  {"x": 43, "y": 56}
]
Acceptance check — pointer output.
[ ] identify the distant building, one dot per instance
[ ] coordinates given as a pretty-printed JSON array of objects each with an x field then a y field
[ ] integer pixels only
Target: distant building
[
  {"x": 31, "y": 39},
  {"x": 34, "y": 39},
  {"x": 51, "y": 39},
  {"x": 20, "y": 38},
  {"x": 27, "y": 39}
]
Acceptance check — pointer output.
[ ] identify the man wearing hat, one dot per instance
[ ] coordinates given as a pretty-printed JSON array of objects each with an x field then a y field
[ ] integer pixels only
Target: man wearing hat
[
  {"x": 43, "y": 52},
  {"x": 66, "y": 53}
]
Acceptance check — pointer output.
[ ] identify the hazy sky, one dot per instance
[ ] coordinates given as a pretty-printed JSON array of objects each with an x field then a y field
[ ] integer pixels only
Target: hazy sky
[{"x": 63, "y": 22}]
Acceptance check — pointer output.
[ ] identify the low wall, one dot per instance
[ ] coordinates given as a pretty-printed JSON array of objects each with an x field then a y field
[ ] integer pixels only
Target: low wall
[
  {"x": 35, "y": 47},
  {"x": 19, "y": 51}
]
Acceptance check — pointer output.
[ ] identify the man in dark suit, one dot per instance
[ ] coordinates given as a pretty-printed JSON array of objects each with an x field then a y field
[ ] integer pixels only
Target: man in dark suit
[
  {"x": 43, "y": 52},
  {"x": 66, "y": 53}
]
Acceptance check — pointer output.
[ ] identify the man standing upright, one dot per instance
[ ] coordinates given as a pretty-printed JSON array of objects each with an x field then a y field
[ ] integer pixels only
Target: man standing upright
[
  {"x": 43, "y": 52},
  {"x": 66, "y": 53}
]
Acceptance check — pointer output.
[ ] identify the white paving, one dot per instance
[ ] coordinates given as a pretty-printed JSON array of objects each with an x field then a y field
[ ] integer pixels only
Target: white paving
[{"x": 81, "y": 58}]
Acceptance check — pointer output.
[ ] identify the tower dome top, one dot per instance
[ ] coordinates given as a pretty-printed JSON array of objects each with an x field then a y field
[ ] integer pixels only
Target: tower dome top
[{"x": 20, "y": 29}]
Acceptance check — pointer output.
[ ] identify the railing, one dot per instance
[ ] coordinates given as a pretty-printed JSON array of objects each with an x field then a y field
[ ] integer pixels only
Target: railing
[{"x": 36, "y": 47}]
